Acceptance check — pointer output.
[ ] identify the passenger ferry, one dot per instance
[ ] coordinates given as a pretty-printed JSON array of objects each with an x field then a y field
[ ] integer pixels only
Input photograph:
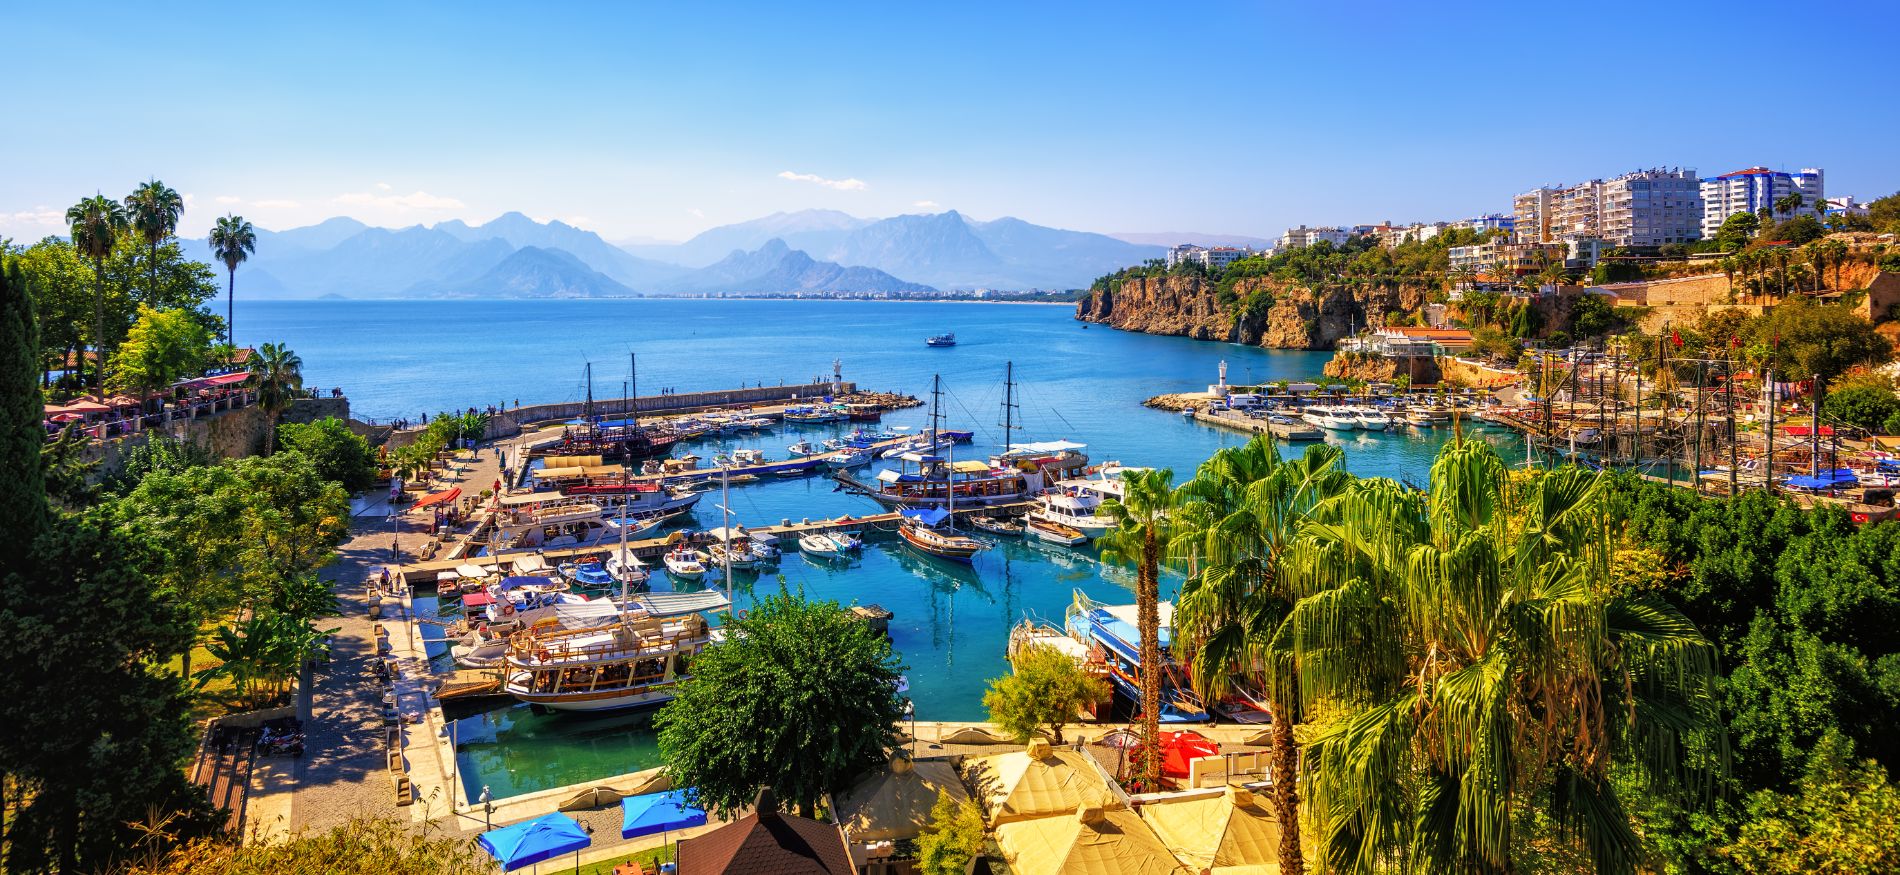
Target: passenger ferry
[
  {"x": 1111, "y": 634},
  {"x": 941, "y": 340},
  {"x": 541, "y": 520},
  {"x": 1077, "y": 503},
  {"x": 635, "y": 659},
  {"x": 927, "y": 480}
]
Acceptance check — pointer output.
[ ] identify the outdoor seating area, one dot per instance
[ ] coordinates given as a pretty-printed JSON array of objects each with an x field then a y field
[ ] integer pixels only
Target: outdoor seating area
[{"x": 119, "y": 415}]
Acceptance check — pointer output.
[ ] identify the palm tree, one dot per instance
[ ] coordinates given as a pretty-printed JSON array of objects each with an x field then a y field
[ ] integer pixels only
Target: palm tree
[
  {"x": 1233, "y": 525},
  {"x": 1789, "y": 204},
  {"x": 277, "y": 375},
  {"x": 1553, "y": 275},
  {"x": 1141, "y": 538},
  {"x": 154, "y": 209},
  {"x": 232, "y": 241},
  {"x": 96, "y": 224},
  {"x": 1474, "y": 668}
]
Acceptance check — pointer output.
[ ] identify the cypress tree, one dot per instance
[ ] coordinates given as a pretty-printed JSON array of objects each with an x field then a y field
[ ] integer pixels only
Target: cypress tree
[{"x": 22, "y": 490}]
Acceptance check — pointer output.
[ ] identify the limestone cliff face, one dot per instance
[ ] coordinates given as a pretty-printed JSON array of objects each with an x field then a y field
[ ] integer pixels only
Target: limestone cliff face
[{"x": 1301, "y": 316}]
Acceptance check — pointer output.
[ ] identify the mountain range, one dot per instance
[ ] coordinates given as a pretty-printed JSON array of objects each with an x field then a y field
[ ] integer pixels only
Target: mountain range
[{"x": 806, "y": 251}]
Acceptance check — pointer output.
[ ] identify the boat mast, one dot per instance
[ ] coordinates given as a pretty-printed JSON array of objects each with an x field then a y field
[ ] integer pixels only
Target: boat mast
[
  {"x": 936, "y": 399},
  {"x": 949, "y": 483},
  {"x": 1009, "y": 404},
  {"x": 633, "y": 383},
  {"x": 725, "y": 531},
  {"x": 587, "y": 412}
]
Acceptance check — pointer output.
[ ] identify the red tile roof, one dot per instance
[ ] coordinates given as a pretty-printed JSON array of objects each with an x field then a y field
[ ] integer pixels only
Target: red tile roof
[{"x": 770, "y": 844}]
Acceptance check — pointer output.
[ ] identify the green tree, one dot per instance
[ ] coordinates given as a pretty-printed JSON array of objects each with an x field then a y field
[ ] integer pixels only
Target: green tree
[
  {"x": 1863, "y": 406},
  {"x": 339, "y": 454},
  {"x": 196, "y": 518},
  {"x": 1237, "y": 518},
  {"x": 1141, "y": 537},
  {"x": 1046, "y": 688},
  {"x": 68, "y": 466},
  {"x": 1842, "y": 817},
  {"x": 1736, "y": 231},
  {"x": 96, "y": 223},
  {"x": 232, "y": 242},
  {"x": 293, "y": 522},
  {"x": 153, "y": 210},
  {"x": 801, "y": 697},
  {"x": 162, "y": 347},
  {"x": 277, "y": 377},
  {"x": 1475, "y": 673},
  {"x": 1824, "y": 340},
  {"x": 157, "y": 454},
  {"x": 953, "y": 837},
  {"x": 1884, "y": 212},
  {"x": 262, "y": 655},
  {"x": 23, "y": 509},
  {"x": 62, "y": 285},
  {"x": 363, "y": 846}
]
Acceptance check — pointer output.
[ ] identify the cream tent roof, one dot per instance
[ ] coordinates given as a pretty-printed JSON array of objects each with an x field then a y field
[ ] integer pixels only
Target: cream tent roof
[
  {"x": 895, "y": 803},
  {"x": 1232, "y": 832},
  {"x": 1089, "y": 841},
  {"x": 1038, "y": 781}
]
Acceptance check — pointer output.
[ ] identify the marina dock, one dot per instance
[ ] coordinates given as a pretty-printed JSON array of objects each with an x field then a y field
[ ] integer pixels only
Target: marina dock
[{"x": 1244, "y": 423}]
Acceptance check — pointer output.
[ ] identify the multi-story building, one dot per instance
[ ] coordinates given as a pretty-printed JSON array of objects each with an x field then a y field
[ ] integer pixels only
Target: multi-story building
[
  {"x": 1417, "y": 232},
  {"x": 1489, "y": 222},
  {"x": 1215, "y": 258},
  {"x": 1515, "y": 259},
  {"x": 1756, "y": 189},
  {"x": 1301, "y": 237},
  {"x": 1844, "y": 205},
  {"x": 1647, "y": 208}
]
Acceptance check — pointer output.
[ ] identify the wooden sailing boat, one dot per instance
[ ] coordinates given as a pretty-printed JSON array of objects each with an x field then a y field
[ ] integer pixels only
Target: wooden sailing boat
[{"x": 924, "y": 537}]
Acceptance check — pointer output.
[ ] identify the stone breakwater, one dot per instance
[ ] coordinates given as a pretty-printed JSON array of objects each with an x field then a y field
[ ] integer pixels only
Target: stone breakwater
[
  {"x": 1260, "y": 311},
  {"x": 1178, "y": 402}
]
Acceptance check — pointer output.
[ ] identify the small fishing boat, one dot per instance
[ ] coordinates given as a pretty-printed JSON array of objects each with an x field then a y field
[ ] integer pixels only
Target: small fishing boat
[
  {"x": 1052, "y": 532},
  {"x": 941, "y": 340},
  {"x": 682, "y": 563},
  {"x": 588, "y": 574},
  {"x": 996, "y": 525},
  {"x": 736, "y": 555},
  {"x": 850, "y": 459},
  {"x": 803, "y": 448},
  {"x": 627, "y": 570},
  {"x": 765, "y": 547},
  {"x": 820, "y": 545}
]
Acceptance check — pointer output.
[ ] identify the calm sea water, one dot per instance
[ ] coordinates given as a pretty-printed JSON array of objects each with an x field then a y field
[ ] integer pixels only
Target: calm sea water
[{"x": 402, "y": 358}]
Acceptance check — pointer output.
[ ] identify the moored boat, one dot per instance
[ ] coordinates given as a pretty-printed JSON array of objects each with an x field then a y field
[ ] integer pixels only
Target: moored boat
[
  {"x": 635, "y": 659},
  {"x": 941, "y": 340},
  {"x": 997, "y": 525},
  {"x": 682, "y": 563},
  {"x": 1051, "y": 532}
]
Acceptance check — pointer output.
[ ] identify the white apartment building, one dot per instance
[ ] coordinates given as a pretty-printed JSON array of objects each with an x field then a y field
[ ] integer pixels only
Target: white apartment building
[
  {"x": 1489, "y": 222},
  {"x": 1215, "y": 258},
  {"x": 1645, "y": 208},
  {"x": 1302, "y": 237},
  {"x": 1417, "y": 232},
  {"x": 1756, "y": 189},
  {"x": 1515, "y": 258}
]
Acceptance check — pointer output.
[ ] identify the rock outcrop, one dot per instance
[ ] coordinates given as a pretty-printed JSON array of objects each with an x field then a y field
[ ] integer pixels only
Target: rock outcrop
[{"x": 1261, "y": 312}]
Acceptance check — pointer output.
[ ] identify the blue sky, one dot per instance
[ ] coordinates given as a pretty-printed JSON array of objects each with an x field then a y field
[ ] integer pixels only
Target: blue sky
[{"x": 662, "y": 120}]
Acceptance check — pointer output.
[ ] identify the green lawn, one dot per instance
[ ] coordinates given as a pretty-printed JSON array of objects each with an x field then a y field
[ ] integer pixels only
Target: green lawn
[{"x": 652, "y": 858}]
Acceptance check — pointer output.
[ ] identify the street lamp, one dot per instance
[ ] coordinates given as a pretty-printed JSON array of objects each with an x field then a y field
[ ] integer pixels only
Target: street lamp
[{"x": 488, "y": 807}]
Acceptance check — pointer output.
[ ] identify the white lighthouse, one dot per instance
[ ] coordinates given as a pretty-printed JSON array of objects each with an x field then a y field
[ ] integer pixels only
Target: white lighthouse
[{"x": 1219, "y": 390}]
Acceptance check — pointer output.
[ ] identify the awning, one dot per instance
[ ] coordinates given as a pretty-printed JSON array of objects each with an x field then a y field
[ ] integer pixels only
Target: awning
[
  {"x": 508, "y": 583},
  {"x": 435, "y": 498},
  {"x": 658, "y": 812},
  {"x": 679, "y": 604},
  {"x": 226, "y": 379},
  {"x": 543, "y": 838},
  {"x": 1045, "y": 447},
  {"x": 567, "y": 472},
  {"x": 477, "y": 600},
  {"x": 83, "y": 406},
  {"x": 469, "y": 570},
  {"x": 928, "y": 516},
  {"x": 531, "y": 497},
  {"x": 971, "y": 466}
]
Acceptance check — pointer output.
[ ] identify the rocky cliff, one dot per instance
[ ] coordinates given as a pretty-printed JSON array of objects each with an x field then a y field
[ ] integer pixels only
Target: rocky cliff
[{"x": 1261, "y": 311}]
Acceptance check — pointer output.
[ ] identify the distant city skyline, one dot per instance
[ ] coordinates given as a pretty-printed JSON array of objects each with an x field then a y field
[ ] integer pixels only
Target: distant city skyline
[{"x": 658, "y": 122}]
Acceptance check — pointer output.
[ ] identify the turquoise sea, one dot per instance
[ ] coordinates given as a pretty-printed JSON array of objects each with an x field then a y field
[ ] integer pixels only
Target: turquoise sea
[{"x": 403, "y": 358}]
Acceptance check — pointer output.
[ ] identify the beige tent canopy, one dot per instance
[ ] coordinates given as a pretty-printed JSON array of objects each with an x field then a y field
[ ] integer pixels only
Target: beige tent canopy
[
  {"x": 1230, "y": 832},
  {"x": 1092, "y": 840},
  {"x": 895, "y": 803},
  {"x": 1037, "y": 781},
  {"x": 570, "y": 461}
]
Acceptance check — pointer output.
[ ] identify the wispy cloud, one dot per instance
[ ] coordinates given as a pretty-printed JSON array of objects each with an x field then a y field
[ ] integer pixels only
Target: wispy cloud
[
  {"x": 839, "y": 184},
  {"x": 415, "y": 201},
  {"x": 696, "y": 212},
  {"x": 928, "y": 205},
  {"x": 36, "y": 216},
  {"x": 228, "y": 200}
]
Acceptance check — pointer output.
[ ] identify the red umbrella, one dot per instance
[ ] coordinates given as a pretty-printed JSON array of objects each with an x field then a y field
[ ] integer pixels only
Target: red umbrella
[
  {"x": 1178, "y": 749},
  {"x": 66, "y": 417}
]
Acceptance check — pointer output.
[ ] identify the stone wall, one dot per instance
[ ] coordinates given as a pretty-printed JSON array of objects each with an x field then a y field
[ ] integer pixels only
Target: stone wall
[
  {"x": 232, "y": 434},
  {"x": 1464, "y": 372},
  {"x": 1420, "y": 369},
  {"x": 684, "y": 402}
]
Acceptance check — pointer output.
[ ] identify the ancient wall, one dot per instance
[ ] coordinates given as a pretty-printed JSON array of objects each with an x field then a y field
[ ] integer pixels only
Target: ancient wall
[
  {"x": 1420, "y": 369},
  {"x": 232, "y": 434},
  {"x": 1464, "y": 372}
]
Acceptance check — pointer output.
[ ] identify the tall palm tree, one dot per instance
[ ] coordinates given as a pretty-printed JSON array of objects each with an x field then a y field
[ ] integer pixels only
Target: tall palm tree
[
  {"x": 154, "y": 209},
  {"x": 96, "y": 224},
  {"x": 1233, "y": 526},
  {"x": 1141, "y": 538},
  {"x": 277, "y": 375},
  {"x": 1474, "y": 668},
  {"x": 232, "y": 241},
  {"x": 1789, "y": 204}
]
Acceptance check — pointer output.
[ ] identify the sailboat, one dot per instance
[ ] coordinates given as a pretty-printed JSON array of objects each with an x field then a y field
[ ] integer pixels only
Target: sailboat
[
  {"x": 622, "y": 438},
  {"x": 919, "y": 526}
]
